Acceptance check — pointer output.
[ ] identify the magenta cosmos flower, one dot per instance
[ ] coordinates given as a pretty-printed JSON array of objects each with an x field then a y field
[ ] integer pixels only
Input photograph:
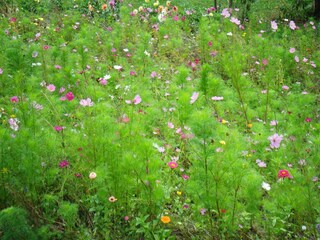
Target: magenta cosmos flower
[
  {"x": 70, "y": 96},
  {"x": 14, "y": 99},
  {"x": 275, "y": 140},
  {"x": 173, "y": 164},
  {"x": 64, "y": 164}
]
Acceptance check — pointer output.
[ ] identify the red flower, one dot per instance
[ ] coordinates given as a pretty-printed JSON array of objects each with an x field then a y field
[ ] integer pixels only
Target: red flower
[{"x": 284, "y": 174}]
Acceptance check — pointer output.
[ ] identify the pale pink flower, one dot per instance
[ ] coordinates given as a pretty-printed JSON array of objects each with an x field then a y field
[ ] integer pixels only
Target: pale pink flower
[
  {"x": 274, "y": 25},
  {"x": 273, "y": 123},
  {"x": 216, "y": 98},
  {"x": 261, "y": 164},
  {"x": 137, "y": 100},
  {"x": 13, "y": 122},
  {"x": 92, "y": 175},
  {"x": 225, "y": 13},
  {"x": 296, "y": 58},
  {"x": 275, "y": 140},
  {"x": 170, "y": 125},
  {"x": 86, "y": 102},
  {"x": 1, "y": 71},
  {"x": 284, "y": 87},
  {"x": 194, "y": 97},
  {"x": 292, "y": 50},
  {"x": 305, "y": 59},
  {"x": 292, "y": 25},
  {"x": 51, "y": 87}
]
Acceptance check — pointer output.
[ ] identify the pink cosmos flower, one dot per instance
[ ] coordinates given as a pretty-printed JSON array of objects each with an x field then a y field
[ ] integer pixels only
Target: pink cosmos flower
[
  {"x": 64, "y": 164},
  {"x": 103, "y": 81},
  {"x": 284, "y": 87},
  {"x": 185, "y": 177},
  {"x": 274, "y": 26},
  {"x": 57, "y": 67},
  {"x": 284, "y": 174},
  {"x": 292, "y": 25},
  {"x": 126, "y": 218},
  {"x": 86, "y": 102},
  {"x": 296, "y": 58},
  {"x": 13, "y": 122},
  {"x": 132, "y": 73},
  {"x": 261, "y": 164},
  {"x": 14, "y": 99},
  {"x": 69, "y": 96},
  {"x": 51, "y": 87},
  {"x": 275, "y": 140},
  {"x": 137, "y": 100},
  {"x": 1, "y": 71},
  {"x": 58, "y": 128},
  {"x": 225, "y": 13},
  {"x": 194, "y": 97},
  {"x": 172, "y": 164},
  {"x": 292, "y": 50},
  {"x": 308, "y": 119},
  {"x": 273, "y": 123},
  {"x": 153, "y": 74},
  {"x": 170, "y": 125},
  {"x": 62, "y": 89}
]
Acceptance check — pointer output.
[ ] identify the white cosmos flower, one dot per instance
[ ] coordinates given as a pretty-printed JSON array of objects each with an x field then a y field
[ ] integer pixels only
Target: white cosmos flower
[{"x": 266, "y": 186}]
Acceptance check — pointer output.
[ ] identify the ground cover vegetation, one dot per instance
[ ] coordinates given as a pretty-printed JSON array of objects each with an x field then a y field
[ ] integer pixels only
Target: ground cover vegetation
[{"x": 159, "y": 120}]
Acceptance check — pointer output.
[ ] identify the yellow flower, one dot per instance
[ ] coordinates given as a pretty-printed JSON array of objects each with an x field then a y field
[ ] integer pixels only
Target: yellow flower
[
  {"x": 222, "y": 142},
  {"x": 168, "y": 3},
  {"x": 165, "y": 219},
  {"x": 147, "y": 1},
  {"x": 140, "y": 8},
  {"x": 211, "y": 14},
  {"x": 156, "y": 4},
  {"x": 179, "y": 193},
  {"x": 244, "y": 34},
  {"x": 41, "y": 19},
  {"x": 249, "y": 125},
  {"x": 223, "y": 121},
  {"x": 12, "y": 116}
]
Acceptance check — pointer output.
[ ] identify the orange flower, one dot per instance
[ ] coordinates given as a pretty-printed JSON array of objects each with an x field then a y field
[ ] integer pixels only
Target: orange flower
[
  {"x": 165, "y": 219},
  {"x": 104, "y": 7}
]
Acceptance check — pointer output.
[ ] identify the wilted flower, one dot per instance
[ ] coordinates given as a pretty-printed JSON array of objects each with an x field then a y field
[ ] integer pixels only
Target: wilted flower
[
  {"x": 112, "y": 199},
  {"x": 203, "y": 211},
  {"x": 92, "y": 175}
]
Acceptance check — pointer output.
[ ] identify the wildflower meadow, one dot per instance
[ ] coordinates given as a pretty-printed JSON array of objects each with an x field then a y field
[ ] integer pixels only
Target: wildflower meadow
[{"x": 159, "y": 120}]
